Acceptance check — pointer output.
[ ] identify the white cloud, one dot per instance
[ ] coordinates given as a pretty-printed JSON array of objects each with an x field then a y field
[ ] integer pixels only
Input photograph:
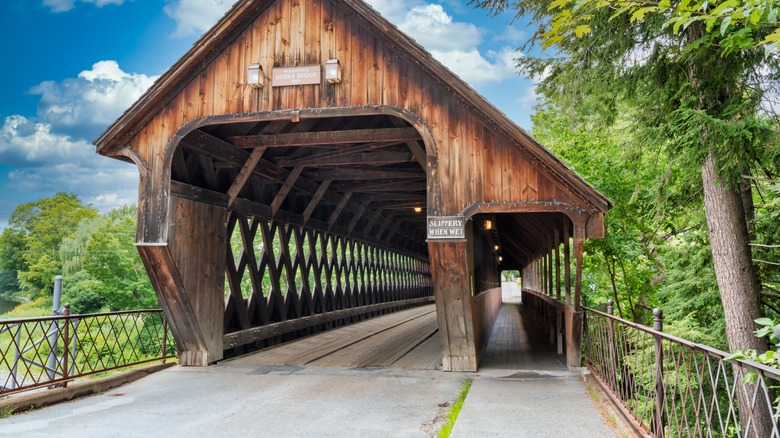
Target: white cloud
[
  {"x": 435, "y": 30},
  {"x": 23, "y": 142},
  {"x": 475, "y": 69},
  {"x": 66, "y": 5},
  {"x": 94, "y": 99},
  {"x": 102, "y": 182},
  {"x": 47, "y": 162},
  {"x": 455, "y": 44},
  {"x": 193, "y": 17}
]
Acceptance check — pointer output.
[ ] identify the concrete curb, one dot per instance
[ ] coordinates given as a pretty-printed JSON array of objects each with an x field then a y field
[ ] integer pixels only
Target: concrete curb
[
  {"x": 74, "y": 390},
  {"x": 612, "y": 413}
]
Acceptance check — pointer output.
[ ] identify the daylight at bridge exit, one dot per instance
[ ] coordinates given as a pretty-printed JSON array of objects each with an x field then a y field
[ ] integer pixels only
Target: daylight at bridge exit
[{"x": 382, "y": 218}]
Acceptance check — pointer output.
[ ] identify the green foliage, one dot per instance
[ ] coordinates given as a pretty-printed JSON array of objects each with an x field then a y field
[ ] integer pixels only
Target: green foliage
[
  {"x": 30, "y": 243},
  {"x": 8, "y": 281}
]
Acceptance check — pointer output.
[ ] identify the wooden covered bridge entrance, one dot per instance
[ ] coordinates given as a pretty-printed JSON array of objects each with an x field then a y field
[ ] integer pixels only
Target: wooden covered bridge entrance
[{"x": 306, "y": 165}]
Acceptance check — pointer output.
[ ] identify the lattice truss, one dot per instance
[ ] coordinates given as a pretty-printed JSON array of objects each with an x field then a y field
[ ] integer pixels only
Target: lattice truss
[{"x": 278, "y": 272}]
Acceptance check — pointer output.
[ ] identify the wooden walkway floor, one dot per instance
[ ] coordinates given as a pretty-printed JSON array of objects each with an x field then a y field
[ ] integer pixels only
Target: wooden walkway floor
[
  {"x": 513, "y": 344},
  {"x": 409, "y": 339}
]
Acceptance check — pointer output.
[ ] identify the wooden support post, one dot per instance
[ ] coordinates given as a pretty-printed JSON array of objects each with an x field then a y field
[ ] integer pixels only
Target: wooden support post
[
  {"x": 557, "y": 265},
  {"x": 453, "y": 305},
  {"x": 579, "y": 246},
  {"x": 573, "y": 325},
  {"x": 567, "y": 260}
]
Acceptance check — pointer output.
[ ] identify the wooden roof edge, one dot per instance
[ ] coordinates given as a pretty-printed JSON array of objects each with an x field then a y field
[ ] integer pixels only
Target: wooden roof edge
[
  {"x": 160, "y": 89},
  {"x": 238, "y": 16}
]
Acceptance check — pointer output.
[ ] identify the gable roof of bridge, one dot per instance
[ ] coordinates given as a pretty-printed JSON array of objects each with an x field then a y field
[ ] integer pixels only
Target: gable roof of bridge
[{"x": 244, "y": 12}]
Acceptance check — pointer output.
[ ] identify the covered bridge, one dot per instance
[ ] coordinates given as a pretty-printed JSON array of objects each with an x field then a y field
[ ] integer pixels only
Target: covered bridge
[{"x": 306, "y": 165}]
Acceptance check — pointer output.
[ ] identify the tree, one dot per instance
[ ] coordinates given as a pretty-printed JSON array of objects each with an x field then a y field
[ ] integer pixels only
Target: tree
[{"x": 31, "y": 241}]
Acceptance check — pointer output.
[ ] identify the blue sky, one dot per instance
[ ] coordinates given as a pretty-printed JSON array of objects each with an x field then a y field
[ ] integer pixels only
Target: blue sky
[{"x": 71, "y": 67}]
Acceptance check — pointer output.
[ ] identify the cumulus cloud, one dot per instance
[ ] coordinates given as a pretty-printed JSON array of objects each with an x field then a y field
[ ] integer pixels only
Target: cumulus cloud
[
  {"x": 436, "y": 30},
  {"x": 477, "y": 69},
  {"x": 99, "y": 181},
  {"x": 66, "y": 5},
  {"x": 47, "y": 162},
  {"x": 92, "y": 100},
  {"x": 23, "y": 142},
  {"x": 51, "y": 153},
  {"x": 454, "y": 44},
  {"x": 193, "y": 17}
]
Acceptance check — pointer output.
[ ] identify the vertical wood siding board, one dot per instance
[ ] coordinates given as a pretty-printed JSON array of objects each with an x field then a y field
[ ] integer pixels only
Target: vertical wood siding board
[
  {"x": 288, "y": 93},
  {"x": 296, "y": 50},
  {"x": 219, "y": 80},
  {"x": 390, "y": 85},
  {"x": 235, "y": 75},
  {"x": 206, "y": 88},
  {"x": 248, "y": 57},
  {"x": 343, "y": 30},
  {"x": 467, "y": 165}
]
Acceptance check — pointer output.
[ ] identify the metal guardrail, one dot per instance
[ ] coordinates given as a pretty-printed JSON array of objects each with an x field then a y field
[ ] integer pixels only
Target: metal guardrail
[
  {"x": 52, "y": 351},
  {"x": 670, "y": 387}
]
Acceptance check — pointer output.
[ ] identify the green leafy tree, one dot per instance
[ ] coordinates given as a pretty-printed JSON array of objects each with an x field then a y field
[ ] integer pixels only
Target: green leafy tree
[{"x": 31, "y": 241}]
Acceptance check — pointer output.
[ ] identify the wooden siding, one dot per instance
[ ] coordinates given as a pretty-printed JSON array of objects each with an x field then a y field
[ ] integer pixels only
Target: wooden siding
[{"x": 197, "y": 238}]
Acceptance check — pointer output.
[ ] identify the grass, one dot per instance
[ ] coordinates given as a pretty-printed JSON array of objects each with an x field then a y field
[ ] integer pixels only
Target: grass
[
  {"x": 452, "y": 415},
  {"x": 7, "y": 411}
]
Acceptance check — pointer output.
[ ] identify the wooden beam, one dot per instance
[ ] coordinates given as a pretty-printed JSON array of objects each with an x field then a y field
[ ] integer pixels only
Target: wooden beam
[
  {"x": 286, "y": 187},
  {"x": 364, "y": 173},
  {"x": 244, "y": 174},
  {"x": 325, "y": 138},
  {"x": 315, "y": 200},
  {"x": 375, "y": 158},
  {"x": 418, "y": 152},
  {"x": 358, "y": 215},
  {"x": 405, "y": 186},
  {"x": 339, "y": 207}
]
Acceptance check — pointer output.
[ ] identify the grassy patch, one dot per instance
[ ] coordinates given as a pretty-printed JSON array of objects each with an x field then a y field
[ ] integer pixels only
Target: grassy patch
[
  {"x": 7, "y": 411},
  {"x": 446, "y": 429}
]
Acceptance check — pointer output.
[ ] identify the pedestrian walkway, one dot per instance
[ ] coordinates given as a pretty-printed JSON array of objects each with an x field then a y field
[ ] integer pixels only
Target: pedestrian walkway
[
  {"x": 523, "y": 389},
  {"x": 254, "y": 397}
]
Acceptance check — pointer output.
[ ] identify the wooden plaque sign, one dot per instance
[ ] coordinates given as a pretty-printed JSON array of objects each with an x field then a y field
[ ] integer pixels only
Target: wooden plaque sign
[
  {"x": 303, "y": 75},
  {"x": 446, "y": 228}
]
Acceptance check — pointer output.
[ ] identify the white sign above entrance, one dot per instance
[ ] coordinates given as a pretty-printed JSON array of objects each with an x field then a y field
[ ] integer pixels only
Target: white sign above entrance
[
  {"x": 446, "y": 228},
  {"x": 303, "y": 75}
]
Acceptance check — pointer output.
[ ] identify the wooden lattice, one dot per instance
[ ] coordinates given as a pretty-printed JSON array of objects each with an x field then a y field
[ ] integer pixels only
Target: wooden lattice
[{"x": 278, "y": 274}]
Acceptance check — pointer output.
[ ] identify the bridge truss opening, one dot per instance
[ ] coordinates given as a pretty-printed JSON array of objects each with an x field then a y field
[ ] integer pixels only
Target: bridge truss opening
[{"x": 323, "y": 220}]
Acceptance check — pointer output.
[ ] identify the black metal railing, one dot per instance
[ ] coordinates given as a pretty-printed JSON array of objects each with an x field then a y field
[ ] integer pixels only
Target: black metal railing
[
  {"x": 51, "y": 351},
  {"x": 670, "y": 387}
]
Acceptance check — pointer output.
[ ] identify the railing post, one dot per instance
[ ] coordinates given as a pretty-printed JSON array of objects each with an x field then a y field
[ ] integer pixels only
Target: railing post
[
  {"x": 165, "y": 338},
  {"x": 66, "y": 346},
  {"x": 54, "y": 330},
  {"x": 612, "y": 355},
  {"x": 658, "y": 325},
  {"x": 17, "y": 356}
]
